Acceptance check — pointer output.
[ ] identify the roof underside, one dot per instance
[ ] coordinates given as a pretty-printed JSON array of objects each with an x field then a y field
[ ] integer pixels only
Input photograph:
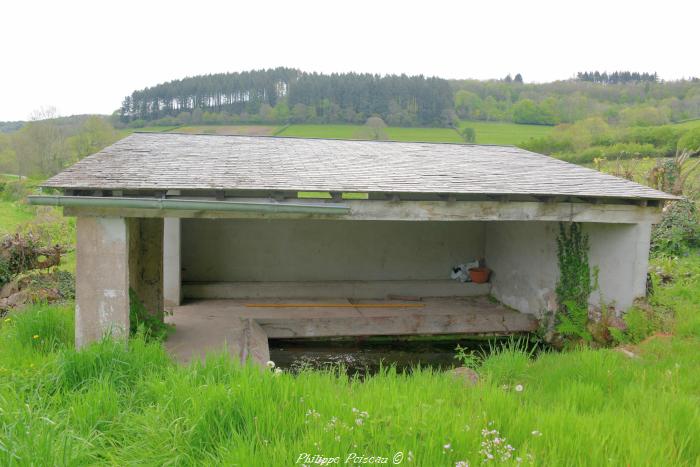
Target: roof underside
[{"x": 161, "y": 161}]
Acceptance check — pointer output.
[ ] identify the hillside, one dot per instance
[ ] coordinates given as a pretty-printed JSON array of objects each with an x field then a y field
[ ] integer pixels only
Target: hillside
[{"x": 284, "y": 95}]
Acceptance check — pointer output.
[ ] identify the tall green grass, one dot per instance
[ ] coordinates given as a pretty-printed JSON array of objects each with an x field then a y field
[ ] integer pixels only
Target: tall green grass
[{"x": 122, "y": 404}]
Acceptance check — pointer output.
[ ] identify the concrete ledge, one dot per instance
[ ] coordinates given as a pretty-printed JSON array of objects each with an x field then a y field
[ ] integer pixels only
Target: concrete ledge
[{"x": 333, "y": 289}]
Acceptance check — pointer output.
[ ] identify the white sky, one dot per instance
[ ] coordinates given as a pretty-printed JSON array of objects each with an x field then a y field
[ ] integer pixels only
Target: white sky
[{"x": 84, "y": 57}]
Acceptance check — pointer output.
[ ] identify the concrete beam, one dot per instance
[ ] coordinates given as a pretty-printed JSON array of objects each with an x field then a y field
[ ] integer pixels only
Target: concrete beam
[
  {"x": 146, "y": 262},
  {"x": 407, "y": 324},
  {"x": 102, "y": 279},
  {"x": 172, "y": 291},
  {"x": 331, "y": 289},
  {"x": 424, "y": 211}
]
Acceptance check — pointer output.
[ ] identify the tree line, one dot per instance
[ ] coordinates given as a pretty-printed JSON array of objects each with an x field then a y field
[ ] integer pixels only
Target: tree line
[
  {"x": 617, "y": 77},
  {"x": 290, "y": 95},
  {"x": 48, "y": 144},
  {"x": 627, "y": 102},
  {"x": 286, "y": 95}
]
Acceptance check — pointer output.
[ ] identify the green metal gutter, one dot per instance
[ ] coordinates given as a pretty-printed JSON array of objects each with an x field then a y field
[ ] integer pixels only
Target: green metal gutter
[{"x": 187, "y": 204}]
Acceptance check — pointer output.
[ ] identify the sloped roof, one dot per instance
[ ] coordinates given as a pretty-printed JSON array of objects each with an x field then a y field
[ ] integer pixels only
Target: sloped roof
[{"x": 161, "y": 161}]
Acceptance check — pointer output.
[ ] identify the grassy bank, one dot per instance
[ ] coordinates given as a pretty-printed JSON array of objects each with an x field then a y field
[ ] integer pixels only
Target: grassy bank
[{"x": 113, "y": 405}]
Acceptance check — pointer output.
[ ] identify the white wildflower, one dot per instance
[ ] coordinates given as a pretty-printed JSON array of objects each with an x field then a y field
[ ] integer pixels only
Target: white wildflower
[
  {"x": 278, "y": 371},
  {"x": 270, "y": 364},
  {"x": 536, "y": 433},
  {"x": 359, "y": 421},
  {"x": 519, "y": 388}
]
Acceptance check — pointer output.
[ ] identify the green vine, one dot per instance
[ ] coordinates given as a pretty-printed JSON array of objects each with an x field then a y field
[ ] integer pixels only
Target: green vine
[{"x": 575, "y": 284}]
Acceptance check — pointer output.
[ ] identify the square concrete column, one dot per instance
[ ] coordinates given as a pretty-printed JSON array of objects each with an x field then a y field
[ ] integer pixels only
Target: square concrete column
[
  {"x": 621, "y": 253},
  {"x": 146, "y": 262},
  {"x": 172, "y": 294},
  {"x": 102, "y": 279}
]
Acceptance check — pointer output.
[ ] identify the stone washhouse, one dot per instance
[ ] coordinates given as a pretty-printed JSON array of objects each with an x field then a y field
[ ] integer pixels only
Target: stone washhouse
[{"x": 234, "y": 237}]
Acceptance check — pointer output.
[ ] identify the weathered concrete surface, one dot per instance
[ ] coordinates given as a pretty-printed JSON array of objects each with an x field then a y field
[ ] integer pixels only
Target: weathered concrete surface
[
  {"x": 102, "y": 279},
  {"x": 146, "y": 262},
  {"x": 415, "y": 211},
  {"x": 523, "y": 256},
  {"x": 172, "y": 291},
  {"x": 312, "y": 250},
  {"x": 332, "y": 289},
  {"x": 256, "y": 347},
  {"x": 621, "y": 252},
  {"x": 200, "y": 330},
  {"x": 213, "y": 325}
]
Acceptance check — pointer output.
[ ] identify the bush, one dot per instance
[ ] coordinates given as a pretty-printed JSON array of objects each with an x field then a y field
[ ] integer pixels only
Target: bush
[
  {"x": 548, "y": 145},
  {"x": 663, "y": 138},
  {"x": 142, "y": 320},
  {"x": 138, "y": 123},
  {"x": 14, "y": 190},
  {"x": 468, "y": 134},
  {"x": 678, "y": 232}
]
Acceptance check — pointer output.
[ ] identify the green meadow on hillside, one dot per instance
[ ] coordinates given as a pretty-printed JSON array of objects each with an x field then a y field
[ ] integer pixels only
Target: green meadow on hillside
[
  {"x": 505, "y": 133},
  {"x": 486, "y": 132},
  {"x": 444, "y": 135}
]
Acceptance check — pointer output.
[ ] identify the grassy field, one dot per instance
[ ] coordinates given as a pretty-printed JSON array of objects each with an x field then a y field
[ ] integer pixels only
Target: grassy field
[
  {"x": 246, "y": 130},
  {"x": 505, "y": 133},
  {"x": 486, "y": 132},
  {"x": 118, "y": 405},
  {"x": 689, "y": 124},
  {"x": 433, "y": 135}
]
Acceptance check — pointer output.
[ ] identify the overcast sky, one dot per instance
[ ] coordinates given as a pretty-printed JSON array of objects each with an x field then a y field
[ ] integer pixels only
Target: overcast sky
[{"x": 84, "y": 57}]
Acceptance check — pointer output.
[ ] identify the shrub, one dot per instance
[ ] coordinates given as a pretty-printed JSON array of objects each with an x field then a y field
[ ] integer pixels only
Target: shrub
[
  {"x": 142, "y": 320},
  {"x": 15, "y": 190},
  {"x": 573, "y": 322},
  {"x": 468, "y": 134},
  {"x": 548, "y": 145},
  {"x": 678, "y": 232}
]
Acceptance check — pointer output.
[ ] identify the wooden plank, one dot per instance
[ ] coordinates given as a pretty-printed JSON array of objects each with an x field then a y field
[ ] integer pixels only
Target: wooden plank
[{"x": 413, "y": 324}]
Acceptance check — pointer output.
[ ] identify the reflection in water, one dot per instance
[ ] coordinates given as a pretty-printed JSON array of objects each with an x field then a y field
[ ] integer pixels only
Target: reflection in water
[{"x": 367, "y": 356}]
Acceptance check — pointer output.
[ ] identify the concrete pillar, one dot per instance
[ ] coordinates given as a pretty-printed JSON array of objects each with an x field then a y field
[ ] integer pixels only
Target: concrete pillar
[
  {"x": 146, "y": 262},
  {"x": 172, "y": 294},
  {"x": 621, "y": 252},
  {"x": 102, "y": 279},
  {"x": 523, "y": 258}
]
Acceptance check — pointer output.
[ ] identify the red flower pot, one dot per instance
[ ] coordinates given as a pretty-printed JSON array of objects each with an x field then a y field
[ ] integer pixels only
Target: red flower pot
[{"x": 479, "y": 275}]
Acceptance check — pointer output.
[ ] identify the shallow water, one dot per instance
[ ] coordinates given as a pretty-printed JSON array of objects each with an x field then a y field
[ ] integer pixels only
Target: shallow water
[{"x": 364, "y": 356}]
